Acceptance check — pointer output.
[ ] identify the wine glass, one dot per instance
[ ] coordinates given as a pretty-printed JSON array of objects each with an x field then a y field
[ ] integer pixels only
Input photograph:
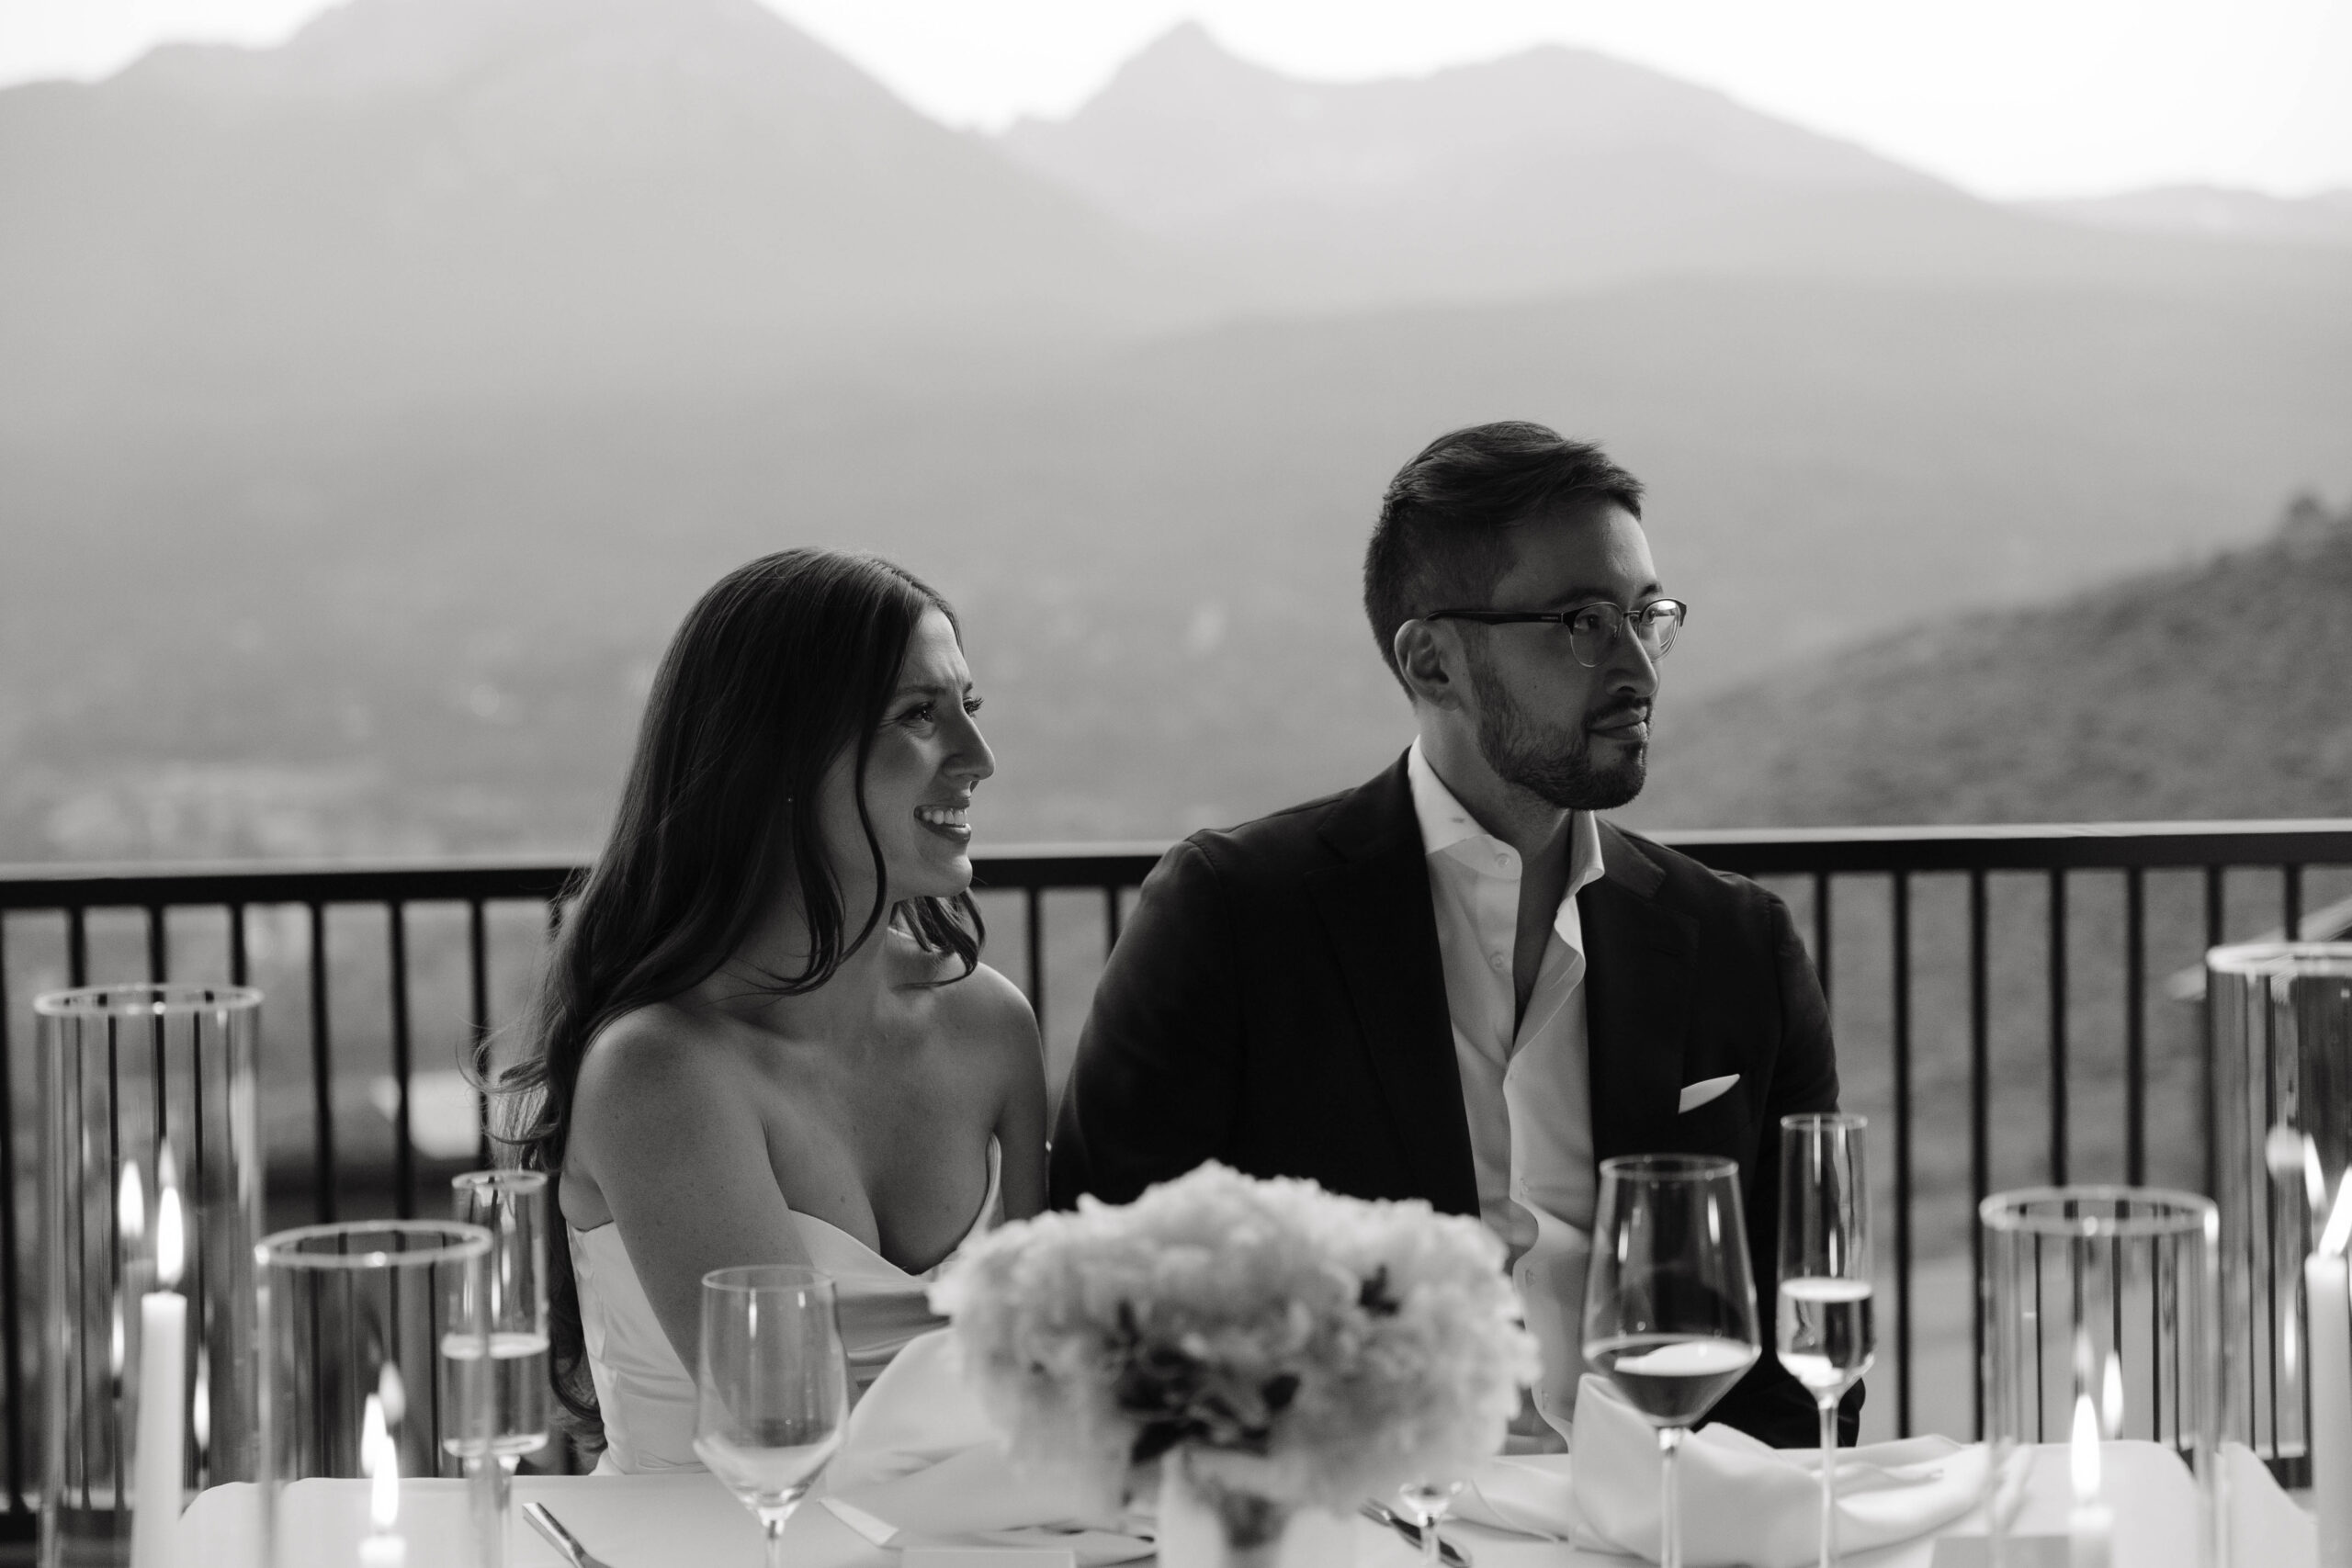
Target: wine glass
[
  {"x": 1426, "y": 1504},
  {"x": 770, "y": 1387},
  {"x": 1825, "y": 1333},
  {"x": 512, "y": 1205},
  {"x": 1669, "y": 1305}
]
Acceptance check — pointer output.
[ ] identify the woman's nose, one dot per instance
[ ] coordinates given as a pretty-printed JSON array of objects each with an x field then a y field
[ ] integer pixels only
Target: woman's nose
[{"x": 973, "y": 759}]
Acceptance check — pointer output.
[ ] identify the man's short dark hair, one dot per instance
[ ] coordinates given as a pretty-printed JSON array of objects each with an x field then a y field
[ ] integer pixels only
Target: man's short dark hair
[{"x": 1440, "y": 539}]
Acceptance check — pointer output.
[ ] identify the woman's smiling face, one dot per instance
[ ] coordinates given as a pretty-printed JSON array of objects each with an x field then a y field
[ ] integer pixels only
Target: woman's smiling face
[{"x": 926, "y": 759}]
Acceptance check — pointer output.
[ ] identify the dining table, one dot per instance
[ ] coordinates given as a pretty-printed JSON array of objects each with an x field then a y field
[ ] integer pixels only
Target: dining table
[{"x": 688, "y": 1520}]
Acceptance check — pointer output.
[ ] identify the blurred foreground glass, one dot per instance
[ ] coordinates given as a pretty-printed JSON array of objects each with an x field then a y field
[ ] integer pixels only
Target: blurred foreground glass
[
  {"x": 1826, "y": 1336},
  {"x": 151, "y": 1188},
  {"x": 770, "y": 1387},
  {"x": 1670, "y": 1309},
  {"x": 512, "y": 1205},
  {"x": 2100, "y": 1307},
  {"x": 2281, "y": 1019},
  {"x": 375, "y": 1364}
]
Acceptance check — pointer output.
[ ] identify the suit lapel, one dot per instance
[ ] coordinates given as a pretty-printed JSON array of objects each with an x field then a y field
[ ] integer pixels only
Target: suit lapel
[
  {"x": 1638, "y": 973},
  {"x": 1376, "y": 905}
]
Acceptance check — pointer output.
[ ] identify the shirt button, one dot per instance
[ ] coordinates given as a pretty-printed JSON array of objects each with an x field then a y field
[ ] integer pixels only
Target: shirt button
[{"x": 1497, "y": 961}]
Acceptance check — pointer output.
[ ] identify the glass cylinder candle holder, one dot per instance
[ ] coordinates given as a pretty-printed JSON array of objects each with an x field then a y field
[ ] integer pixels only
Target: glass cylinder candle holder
[
  {"x": 151, "y": 1194},
  {"x": 2101, "y": 1307},
  {"x": 2280, "y": 1016},
  {"x": 375, "y": 1351}
]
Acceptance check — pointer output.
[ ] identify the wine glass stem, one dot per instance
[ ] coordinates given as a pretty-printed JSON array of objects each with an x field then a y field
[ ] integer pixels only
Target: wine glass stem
[
  {"x": 771, "y": 1523},
  {"x": 1669, "y": 1496},
  {"x": 1828, "y": 1481},
  {"x": 1429, "y": 1541}
]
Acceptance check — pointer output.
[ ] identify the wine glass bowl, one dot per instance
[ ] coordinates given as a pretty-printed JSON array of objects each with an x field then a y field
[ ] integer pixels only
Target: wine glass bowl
[
  {"x": 1670, "y": 1300},
  {"x": 770, "y": 1387}
]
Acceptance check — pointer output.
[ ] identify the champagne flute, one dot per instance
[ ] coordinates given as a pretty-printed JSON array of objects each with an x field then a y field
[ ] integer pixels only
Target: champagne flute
[
  {"x": 1669, "y": 1305},
  {"x": 770, "y": 1387},
  {"x": 1825, "y": 1334},
  {"x": 512, "y": 1205}
]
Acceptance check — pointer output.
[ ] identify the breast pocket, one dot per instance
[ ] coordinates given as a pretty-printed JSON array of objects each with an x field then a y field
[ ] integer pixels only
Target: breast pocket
[{"x": 1722, "y": 1125}]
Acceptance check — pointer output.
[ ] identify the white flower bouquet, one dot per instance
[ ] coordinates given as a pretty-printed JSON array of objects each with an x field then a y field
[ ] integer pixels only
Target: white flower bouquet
[{"x": 1300, "y": 1348}]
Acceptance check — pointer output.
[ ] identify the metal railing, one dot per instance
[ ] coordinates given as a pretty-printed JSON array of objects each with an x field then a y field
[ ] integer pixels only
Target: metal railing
[{"x": 458, "y": 942}]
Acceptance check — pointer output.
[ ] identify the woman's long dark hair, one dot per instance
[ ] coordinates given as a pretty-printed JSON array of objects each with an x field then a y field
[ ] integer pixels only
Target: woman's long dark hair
[{"x": 783, "y": 666}]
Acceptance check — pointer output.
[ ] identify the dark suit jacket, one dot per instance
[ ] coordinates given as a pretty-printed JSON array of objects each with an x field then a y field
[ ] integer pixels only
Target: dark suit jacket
[{"x": 1278, "y": 1003}]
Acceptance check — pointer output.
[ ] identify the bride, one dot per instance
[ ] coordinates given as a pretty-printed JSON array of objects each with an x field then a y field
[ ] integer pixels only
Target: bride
[{"x": 765, "y": 1036}]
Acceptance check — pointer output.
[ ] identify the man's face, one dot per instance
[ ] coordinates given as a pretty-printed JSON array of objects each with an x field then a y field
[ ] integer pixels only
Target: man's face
[{"x": 1574, "y": 736}]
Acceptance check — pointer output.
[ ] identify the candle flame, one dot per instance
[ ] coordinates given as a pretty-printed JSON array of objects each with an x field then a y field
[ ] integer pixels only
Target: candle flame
[
  {"x": 199, "y": 1415},
  {"x": 130, "y": 1206},
  {"x": 171, "y": 1243},
  {"x": 2083, "y": 1451},
  {"x": 114, "y": 1343},
  {"x": 381, "y": 1462},
  {"x": 2110, "y": 1398}
]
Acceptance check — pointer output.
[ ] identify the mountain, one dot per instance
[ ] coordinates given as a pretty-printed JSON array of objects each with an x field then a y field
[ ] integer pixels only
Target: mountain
[
  {"x": 2213, "y": 212},
  {"x": 1549, "y": 169},
  {"x": 421, "y": 201},
  {"x": 2211, "y": 691}
]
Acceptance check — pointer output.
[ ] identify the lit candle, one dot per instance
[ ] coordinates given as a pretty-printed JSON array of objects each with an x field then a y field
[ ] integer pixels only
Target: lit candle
[
  {"x": 2330, "y": 1307},
  {"x": 379, "y": 1457},
  {"x": 156, "y": 1460},
  {"x": 2090, "y": 1527}
]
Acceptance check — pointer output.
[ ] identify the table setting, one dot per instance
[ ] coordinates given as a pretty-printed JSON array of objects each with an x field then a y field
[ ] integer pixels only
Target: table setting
[{"x": 1228, "y": 1372}]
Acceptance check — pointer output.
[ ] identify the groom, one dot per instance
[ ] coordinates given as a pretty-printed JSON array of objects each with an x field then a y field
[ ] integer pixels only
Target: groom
[{"x": 1457, "y": 982}]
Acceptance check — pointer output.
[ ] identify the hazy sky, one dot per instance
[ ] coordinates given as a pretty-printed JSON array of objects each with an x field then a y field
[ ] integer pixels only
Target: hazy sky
[{"x": 2010, "y": 98}]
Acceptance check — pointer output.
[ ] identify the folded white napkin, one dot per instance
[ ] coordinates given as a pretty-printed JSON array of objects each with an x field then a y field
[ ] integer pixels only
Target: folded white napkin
[
  {"x": 919, "y": 1465},
  {"x": 1743, "y": 1501},
  {"x": 2266, "y": 1525}
]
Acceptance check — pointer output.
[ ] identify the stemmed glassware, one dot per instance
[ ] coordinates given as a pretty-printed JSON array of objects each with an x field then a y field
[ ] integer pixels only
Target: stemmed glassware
[
  {"x": 1426, "y": 1504},
  {"x": 1825, "y": 1333},
  {"x": 771, "y": 1388},
  {"x": 512, "y": 1205},
  {"x": 1670, "y": 1306}
]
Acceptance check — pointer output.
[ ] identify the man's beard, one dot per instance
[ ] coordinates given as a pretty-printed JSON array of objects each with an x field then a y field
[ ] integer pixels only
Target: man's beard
[{"x": 1552, "y": 768}]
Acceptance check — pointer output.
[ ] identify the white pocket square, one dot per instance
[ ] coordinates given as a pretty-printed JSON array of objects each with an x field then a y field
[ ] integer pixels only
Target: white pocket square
[{"x": 1705, "y": 1091}]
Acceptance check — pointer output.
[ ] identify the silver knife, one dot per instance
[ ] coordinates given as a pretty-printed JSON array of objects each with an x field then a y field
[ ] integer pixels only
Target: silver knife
[
  {"x": 563, "y": 1540},
  {"x": 1448, "y": 1553}
]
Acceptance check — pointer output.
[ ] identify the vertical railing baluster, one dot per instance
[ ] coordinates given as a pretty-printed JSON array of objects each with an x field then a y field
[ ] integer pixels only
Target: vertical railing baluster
[
  {"x": 2058, "y": 1117},
  {"x": 1110, "y": 918},
  {"x": 2135, "y": 1026},
  {"x": 2290, "y": 902},
  {"x": 2216, "y": 911},
  {"x": 403, "y": 1147},
  {"x": 1901, "y": 976},
  {"x": 1980, "y": 1123},
  {"x": 478, "y": 1001},
  {"x": 237, "y": 960},
  {"x": 159, "y": 959},
  {"x": 11, "y": 1325},
  {"x": 1821, "y": 931},
  {"x": 321, "y": 1072},
  {"x": 1033, "y": 910},
  {"x": 77, "y": 946}
]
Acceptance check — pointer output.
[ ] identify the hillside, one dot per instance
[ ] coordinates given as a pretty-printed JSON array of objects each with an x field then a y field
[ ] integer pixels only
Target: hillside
[
  {"x": 2213, "y": 691},
  {"x": 428, "y": 202}
]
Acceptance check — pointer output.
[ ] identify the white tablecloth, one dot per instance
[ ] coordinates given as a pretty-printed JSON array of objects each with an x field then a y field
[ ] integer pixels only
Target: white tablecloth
[{"x": 672, "y": 1522}]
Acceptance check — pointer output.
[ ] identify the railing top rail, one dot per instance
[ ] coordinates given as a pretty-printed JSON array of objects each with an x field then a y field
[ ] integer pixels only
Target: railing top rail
[{"x": 1761, "y": 850}]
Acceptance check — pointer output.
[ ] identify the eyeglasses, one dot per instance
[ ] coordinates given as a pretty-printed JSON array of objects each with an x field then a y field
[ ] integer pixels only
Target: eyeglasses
[{"x": 1593, "y": 629}]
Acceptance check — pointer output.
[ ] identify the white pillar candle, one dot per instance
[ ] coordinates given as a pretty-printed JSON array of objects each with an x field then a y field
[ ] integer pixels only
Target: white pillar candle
[
  {"x": 155, "y": 1494},
  {"x": 2325, "y": 1287},
  {"x": 2090, "y": 1527}
]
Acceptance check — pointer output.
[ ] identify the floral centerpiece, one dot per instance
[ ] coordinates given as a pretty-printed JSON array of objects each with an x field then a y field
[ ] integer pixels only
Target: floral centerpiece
[{"x": 1277, "y": 1346}]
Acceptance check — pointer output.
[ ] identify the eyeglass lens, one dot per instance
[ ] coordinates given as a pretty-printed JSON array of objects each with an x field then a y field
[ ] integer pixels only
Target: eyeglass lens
[{"x": 1595, "y": 629}]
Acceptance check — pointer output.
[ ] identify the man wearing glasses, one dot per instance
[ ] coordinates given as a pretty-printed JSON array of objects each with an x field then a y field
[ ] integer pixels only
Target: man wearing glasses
[{"x": 1457, "y": 982}]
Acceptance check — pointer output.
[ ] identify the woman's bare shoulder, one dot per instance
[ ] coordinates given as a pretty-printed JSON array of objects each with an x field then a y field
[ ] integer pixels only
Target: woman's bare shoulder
[
  {"x": 662, "y": 1052},
  {"x": 986, "y": 1006}
]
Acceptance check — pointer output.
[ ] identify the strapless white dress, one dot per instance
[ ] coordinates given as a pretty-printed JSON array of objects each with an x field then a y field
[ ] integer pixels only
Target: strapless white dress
[{"x": 647, "y": 1394}]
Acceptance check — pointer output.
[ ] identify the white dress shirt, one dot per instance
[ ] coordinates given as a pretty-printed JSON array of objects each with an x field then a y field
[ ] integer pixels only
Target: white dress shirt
[{"x": 1525, "y": 1085}]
